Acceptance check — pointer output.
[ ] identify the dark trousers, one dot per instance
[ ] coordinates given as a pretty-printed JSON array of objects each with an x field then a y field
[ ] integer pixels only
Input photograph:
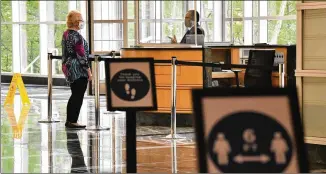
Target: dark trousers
[{"x": 78, "y": 88}]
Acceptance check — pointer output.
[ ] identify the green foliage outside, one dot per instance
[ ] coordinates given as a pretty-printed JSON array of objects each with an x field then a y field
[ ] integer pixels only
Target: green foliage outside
[
  {"x": 287, "y": 32},
  {"x": 171, "y": 10},
  {"x": 31, "y": 32}
]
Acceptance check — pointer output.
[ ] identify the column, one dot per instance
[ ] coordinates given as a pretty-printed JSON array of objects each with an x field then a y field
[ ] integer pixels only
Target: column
[
  {"x": 218, "y": 21},
  {"x": 247, "y": 30},
  {"x": 50, "y": 34},
  {"x": 72, "y": 5},
  {"x": 23, "y": 36},
  {"x": 263, "y": 31},
  {"x": 158, "y": 22},
  {"x": 83, "y": 11},
  {"x": 43, "y": 38},
  {"x": 16, "y": 61}
]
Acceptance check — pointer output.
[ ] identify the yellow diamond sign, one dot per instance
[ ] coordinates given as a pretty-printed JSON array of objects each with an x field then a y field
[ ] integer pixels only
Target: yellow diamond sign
[
  {"x": 17, "y": 129},
  {"x": 16, "y": 81}
]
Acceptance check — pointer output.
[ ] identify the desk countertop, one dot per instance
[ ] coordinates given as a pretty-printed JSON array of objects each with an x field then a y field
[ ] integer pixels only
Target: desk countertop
[{"x": 225, "y": 74}]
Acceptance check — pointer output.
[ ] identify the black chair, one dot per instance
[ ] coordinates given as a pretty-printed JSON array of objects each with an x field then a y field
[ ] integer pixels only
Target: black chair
[{"x": 255, "y": 77}]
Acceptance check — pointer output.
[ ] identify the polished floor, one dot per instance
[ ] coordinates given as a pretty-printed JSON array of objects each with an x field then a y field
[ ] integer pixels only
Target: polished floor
[{"x": 30, "y": 147}]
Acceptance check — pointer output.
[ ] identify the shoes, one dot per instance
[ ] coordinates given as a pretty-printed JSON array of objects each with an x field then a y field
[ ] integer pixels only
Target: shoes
[{"x": 74, "y": 125}]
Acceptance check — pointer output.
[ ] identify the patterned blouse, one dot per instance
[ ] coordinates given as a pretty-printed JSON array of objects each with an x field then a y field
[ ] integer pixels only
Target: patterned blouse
[{"x": 74, "y": 55}]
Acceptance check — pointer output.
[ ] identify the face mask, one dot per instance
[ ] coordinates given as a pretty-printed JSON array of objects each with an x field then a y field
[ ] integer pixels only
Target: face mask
[
  {"x": 192, "y": 23},
  {"x": 189, "y": 23},
  {"x": 81, "y": 25}
]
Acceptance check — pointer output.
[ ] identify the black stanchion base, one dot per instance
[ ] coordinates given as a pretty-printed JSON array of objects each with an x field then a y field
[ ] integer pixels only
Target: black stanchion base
[{"x": 131, "y": 142}]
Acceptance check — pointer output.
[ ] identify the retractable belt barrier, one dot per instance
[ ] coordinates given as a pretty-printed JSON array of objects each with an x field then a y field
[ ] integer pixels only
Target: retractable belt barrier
[{"x": 174, "y": 63}]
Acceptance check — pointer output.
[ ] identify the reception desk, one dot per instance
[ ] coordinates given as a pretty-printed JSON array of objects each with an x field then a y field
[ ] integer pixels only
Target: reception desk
[{"x": 189, "y": 77}]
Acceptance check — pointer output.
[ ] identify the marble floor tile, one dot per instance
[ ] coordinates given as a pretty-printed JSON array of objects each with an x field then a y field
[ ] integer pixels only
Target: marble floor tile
[{"x": 31, "y": 147}]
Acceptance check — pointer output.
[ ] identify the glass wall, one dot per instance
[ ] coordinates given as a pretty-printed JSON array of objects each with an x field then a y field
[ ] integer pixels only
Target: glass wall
[
  {"x": 250, "y": 22},
  {"x": 159, "y": 20},
  {"x": 114, "y": 25},
  {"x": 31, "y": 29}
]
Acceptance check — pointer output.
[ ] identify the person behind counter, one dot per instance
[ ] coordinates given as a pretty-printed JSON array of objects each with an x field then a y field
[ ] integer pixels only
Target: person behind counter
[{"x": 190, "y": 23}]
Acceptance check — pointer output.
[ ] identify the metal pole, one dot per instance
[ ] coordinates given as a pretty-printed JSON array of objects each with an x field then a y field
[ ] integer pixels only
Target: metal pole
[
  {"x": 113, "y": 54},
  {"x": 281, "y": 75},
  {"x": 50, "y": 86},
  {"x": 173, "y": 97},
  {"x": 173, "y": 134},
  {"x": 97, "y": 96},
  {"x": 195, "y": 17},
  {"x": 50, "y": 80}
]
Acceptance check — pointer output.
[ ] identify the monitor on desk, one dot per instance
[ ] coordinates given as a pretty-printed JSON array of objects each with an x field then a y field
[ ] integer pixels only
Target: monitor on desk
[{"x": 191, "y": 39}]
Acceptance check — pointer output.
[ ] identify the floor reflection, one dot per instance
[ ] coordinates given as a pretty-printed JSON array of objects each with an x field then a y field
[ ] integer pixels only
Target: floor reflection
[
  {"x": 73, "y": 146},
  {"x": 30, "y": 147}
]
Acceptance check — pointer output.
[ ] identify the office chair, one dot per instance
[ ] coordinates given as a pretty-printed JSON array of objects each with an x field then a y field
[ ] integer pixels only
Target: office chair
[{"x": 255, "y": 77}]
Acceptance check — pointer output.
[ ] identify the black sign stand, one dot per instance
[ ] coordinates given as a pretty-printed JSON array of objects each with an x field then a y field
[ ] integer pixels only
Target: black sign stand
[
  {"x": 113, "y": 92},
  {"x": 131, "y": 142}
]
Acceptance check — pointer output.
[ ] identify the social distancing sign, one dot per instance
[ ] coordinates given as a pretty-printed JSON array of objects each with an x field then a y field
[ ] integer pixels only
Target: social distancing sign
[
  {"x": 249, "y": 130},
  {"x": 130, "y": 84},
  {"x": 130, "y": 87}
]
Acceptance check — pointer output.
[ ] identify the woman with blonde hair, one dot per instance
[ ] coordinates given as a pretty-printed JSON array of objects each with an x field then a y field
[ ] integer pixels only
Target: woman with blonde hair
[{"x": 75, "y": 66}]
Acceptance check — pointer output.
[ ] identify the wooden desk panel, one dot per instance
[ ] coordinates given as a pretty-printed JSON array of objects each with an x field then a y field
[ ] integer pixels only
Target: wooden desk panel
[{"x": 188, "y": 77}]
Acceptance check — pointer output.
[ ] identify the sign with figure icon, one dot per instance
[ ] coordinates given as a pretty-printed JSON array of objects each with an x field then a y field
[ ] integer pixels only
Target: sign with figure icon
[
  {"x": 249, "y": 130},
  {"x": 130, "y": 84}
]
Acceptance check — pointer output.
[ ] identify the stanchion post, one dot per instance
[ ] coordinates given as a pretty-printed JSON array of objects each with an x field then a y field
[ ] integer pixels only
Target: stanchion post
[
  {"x": 173, "y": 97},
  {"x": 113, "y": 54},
  {"x": 97, "y": 96},
  {"x": 97, "y": 90},
  {"x": 173, "y": 134},
  {"x": 50, "y": 80},
  {"x": 281, "y": 75}
]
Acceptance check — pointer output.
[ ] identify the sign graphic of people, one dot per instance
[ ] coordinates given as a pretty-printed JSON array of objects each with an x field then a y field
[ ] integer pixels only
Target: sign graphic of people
[
  {"x": 222, "y": 149},
  {"x": 262, "y": 145},
  {"x": 279, "y": 147},
  {"x": 250, "y": 138}
]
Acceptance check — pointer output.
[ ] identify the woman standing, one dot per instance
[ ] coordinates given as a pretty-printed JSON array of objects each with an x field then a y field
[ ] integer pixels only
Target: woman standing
[{"x": 75, "y": 66}]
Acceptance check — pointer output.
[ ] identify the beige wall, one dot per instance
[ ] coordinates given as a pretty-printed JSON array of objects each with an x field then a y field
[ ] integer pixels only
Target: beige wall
[{"x": 311, "y": 66}]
